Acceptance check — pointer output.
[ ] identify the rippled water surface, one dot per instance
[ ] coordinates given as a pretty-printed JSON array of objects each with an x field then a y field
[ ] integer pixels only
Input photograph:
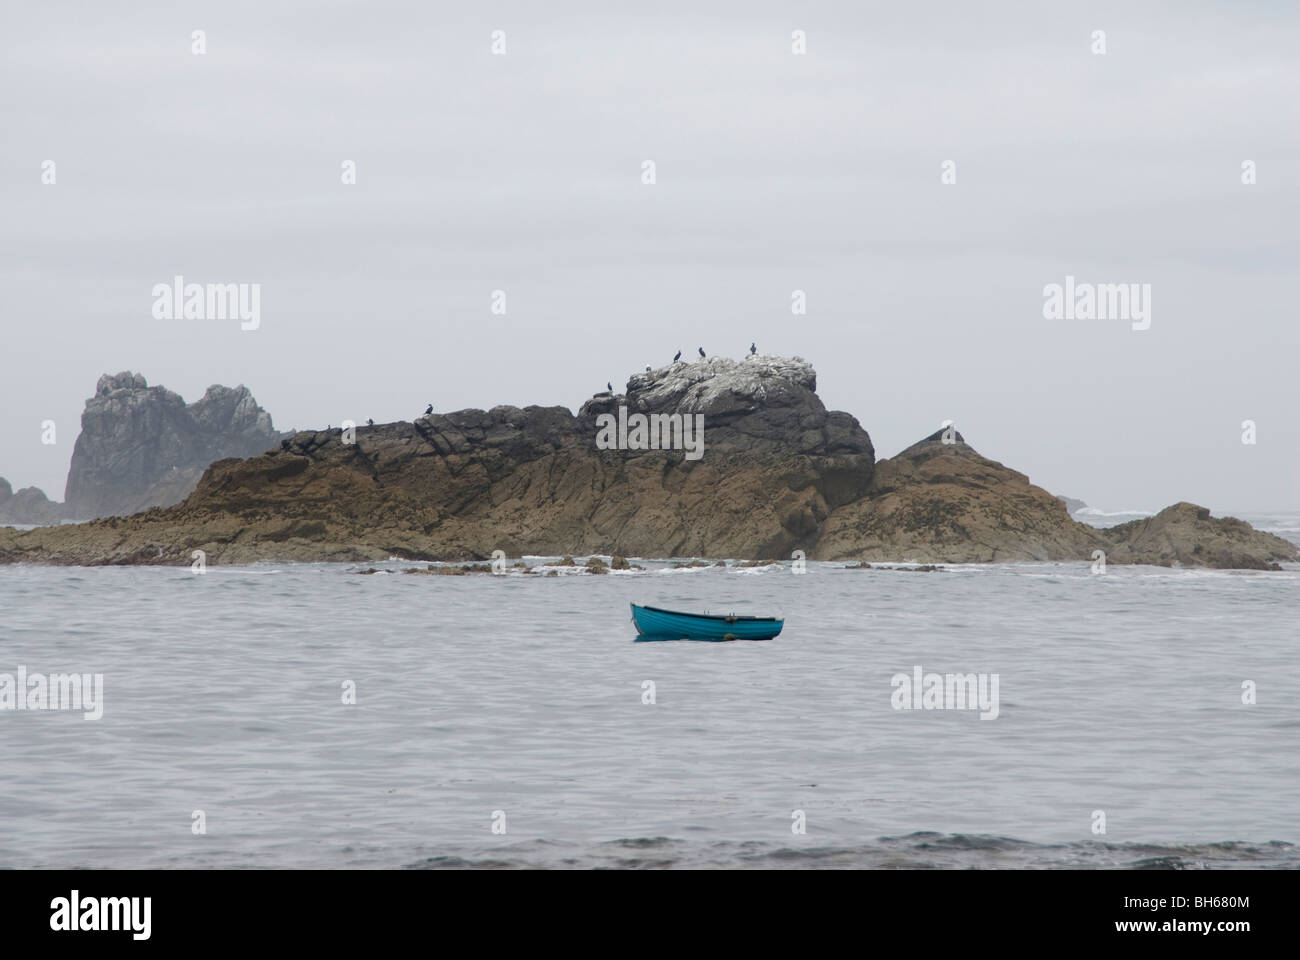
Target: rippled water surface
[{"x": 523, "y": 694}]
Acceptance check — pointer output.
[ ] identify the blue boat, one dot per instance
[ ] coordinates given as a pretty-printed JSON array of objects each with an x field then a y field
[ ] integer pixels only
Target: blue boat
[{"x": 653, "y": 623}]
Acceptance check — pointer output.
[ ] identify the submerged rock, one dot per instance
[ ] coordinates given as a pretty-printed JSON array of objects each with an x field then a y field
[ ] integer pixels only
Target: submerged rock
[{"x": 462, "y": 571}]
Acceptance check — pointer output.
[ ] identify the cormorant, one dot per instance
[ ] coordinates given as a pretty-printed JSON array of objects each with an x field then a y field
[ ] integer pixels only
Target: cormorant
[
  {"x": 677, "y": 356},
  {"x": 609, "y": 386},
  {"x": 370, "y": 423},
  {"x": 647, "y": 368},
  {"x": 701, "y": 351},
  {"x": 428, "y": 410},
  {"x": 752, "y": 349}
]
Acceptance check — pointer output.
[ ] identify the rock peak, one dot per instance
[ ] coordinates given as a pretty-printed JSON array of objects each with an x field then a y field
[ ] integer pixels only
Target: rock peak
[
  {"x": 143, "y": 446},
  {"x": 762, "y": 403},
  {"x": 718, "y": 386},
  {"x": 935, "y": 444},
  {"x": 126, "y": 380}
]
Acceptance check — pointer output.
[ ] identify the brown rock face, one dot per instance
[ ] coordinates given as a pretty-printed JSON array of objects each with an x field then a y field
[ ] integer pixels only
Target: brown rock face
[
  {"x": 940, "y": 502},
  {"x": 1186, "y": 535}
]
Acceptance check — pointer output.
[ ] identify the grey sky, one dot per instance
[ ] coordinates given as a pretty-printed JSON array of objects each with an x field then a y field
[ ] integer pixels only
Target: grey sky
[{"x": 775, "y": 172}]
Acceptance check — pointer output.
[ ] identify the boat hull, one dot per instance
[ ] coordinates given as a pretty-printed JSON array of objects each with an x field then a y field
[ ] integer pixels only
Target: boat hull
[{"x": 653, "y": 623}]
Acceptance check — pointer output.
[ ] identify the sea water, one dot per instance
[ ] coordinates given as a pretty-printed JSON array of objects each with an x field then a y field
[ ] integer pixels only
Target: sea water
[{"x": 279, "y": 715}]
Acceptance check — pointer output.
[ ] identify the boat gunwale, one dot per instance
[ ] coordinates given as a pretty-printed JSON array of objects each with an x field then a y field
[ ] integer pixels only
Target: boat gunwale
[{"x": 725, "y": 617}]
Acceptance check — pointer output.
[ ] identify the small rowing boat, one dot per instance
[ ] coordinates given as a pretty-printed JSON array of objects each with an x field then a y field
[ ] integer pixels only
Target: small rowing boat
[{"x": 652, "y": 623}]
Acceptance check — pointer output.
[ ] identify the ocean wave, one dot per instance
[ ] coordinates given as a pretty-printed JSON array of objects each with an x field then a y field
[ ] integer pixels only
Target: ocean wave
[{"x": 922, "y": 850}]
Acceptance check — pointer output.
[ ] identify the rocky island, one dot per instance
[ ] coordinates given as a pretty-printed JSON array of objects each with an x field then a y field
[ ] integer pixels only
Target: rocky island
[{"x": 778, "y": 473}]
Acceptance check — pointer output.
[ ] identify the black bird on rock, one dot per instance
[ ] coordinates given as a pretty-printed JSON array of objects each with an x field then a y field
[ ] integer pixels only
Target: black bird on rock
[
  {"x": 701, "y": 351},
  {"x": 428, "y": 410},
  {"x": 609, "y": 386},
  {"x": 752, "y": 349},
  {"x": 370, "y": 423},
  {"x": 677, "y": 356}
]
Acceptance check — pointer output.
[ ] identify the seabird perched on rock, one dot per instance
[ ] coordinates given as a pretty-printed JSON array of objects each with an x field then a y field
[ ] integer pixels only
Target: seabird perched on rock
[
  {"x": 677, "y": 356},
  {"x": 428, "y": 410},
  {"x": 609, "y": 386},
  {"x": 647, "y": 368},
  {"x": 701, "y": 351},
  {"x": 752, "y": 349},
  {"x": 370, "y": 423}
]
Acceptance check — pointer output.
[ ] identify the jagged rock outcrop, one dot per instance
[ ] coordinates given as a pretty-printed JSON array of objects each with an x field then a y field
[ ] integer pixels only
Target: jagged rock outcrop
[
  {"x": 1185, "y": 535},
  {"x": 942, "y": 502},
  {"x": 778, "y": 473},
  {"x": 28, "y": 505},
  {"x": 143, "y": 446}
]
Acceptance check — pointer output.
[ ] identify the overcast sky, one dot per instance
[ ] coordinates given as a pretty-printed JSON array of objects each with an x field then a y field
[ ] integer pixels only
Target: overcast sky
[{"x": 775, "y": 172}]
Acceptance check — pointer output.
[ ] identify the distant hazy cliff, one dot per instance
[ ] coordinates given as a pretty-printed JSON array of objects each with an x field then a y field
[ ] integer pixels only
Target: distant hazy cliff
[
  {"x": 143, "y": 446},
  {"x": 28, "y": 505},
  {"x": 779, "y": 473}
]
